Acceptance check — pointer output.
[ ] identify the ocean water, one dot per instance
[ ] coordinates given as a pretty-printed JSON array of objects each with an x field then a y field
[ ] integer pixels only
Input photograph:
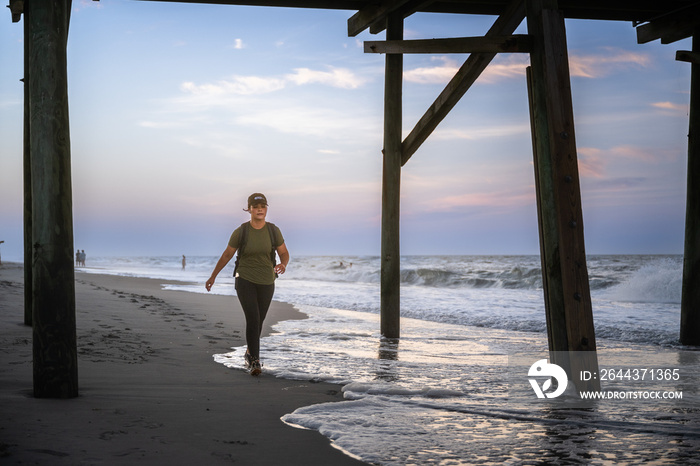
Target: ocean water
[{"x": 454, "y": 388}]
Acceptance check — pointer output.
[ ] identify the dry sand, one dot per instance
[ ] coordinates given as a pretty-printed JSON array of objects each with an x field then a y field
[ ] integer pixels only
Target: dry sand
[{"x": 150, "y": 392}]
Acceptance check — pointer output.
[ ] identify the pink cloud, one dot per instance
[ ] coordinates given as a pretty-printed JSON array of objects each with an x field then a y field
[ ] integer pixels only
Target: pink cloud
[
  {"x": 596, "y": 66},
  {"x": 591, "y": 164},
  {"x": 611, "y": 60},
  {"x": 512, "y": 66},
  {"x": 440, "y": 74},
  {"x": 634, "y": 153},
  {"x": 671, "y": 108},
  {"x": 506, "y": 68}
]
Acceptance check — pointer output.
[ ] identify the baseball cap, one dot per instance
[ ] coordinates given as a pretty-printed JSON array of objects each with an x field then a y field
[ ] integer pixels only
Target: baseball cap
[{"x": 257, "y": 198}]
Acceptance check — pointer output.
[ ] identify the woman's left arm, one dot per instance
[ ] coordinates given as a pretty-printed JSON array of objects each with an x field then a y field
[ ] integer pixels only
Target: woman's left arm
[{"x": 284, "y": 259}]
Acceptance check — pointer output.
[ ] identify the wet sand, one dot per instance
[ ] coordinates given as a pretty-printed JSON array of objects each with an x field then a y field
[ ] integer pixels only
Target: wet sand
[{"x": 150, "y": 391}]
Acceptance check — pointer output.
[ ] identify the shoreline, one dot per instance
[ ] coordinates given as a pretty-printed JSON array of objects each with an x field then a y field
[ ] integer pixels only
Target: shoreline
[{"x": 150, "y": 391}]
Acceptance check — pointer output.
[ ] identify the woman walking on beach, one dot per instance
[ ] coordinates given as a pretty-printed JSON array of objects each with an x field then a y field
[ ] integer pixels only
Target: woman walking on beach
[{"x": 256, "y": 242}]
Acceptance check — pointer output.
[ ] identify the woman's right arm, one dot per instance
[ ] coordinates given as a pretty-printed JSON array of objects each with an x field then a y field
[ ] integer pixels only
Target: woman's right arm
[{"x": 223, "y": 260}]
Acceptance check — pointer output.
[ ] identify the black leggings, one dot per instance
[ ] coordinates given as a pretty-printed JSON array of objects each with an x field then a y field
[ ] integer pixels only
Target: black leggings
[{"x": 255, "y": 301}]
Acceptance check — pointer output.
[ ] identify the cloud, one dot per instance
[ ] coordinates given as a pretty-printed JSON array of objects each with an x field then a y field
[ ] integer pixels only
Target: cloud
[
  {"x": 591, "y": 164},
  {"x": 238, "y": 44},
  {"x": 237, "y": 85},
  {"x": 258, "y": 85},
  {"x": 308, "y": 120},
  {"x": 611, "y": 61},
  {"x": 635, "y": 153},
  {"x": 267, "y": 102},
  {"x": 513, "y": 66},
  {"x": 433, "y": 75},
  {"x": 502, "y": 68},
  {"x": 335, "y": 77},
  {"x": 508, "y": 67},
  {"x": 671, "y": 108},
  {"x": 425, "y": 192},
  {"x": 483, "y": 132}
]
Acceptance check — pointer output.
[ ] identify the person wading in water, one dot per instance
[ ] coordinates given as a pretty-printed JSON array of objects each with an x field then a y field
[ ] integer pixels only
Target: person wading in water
[{"x": 256, "y": 241}]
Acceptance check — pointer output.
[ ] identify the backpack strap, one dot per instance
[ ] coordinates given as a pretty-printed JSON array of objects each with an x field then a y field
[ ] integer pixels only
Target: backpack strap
[
  {"x": 273, "y": 239},
  {"x": 271, "y": 228},
  {"x": 241, "y": 245}
]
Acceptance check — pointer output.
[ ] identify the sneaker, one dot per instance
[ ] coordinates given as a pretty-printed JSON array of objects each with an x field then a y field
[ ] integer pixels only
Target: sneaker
[
  {"x": 248, "y": 360},
  {"x": 255, "y": 367}
]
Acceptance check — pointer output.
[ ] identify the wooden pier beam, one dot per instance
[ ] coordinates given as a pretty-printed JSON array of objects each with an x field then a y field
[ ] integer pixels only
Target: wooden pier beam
[
  {"x": 565, "y": 275},
  {"x": 391, "y": 186},
  {"x": 53, "y": 275},
  {"x": 518, "y": 43},
  {"x": 690, "y": 296},
  {"x": 28, "y": 249}
]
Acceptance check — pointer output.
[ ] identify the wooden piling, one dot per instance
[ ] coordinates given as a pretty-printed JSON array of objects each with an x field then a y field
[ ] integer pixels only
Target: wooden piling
[
  {"x": 53, "y": 277},
  {"x": 556, "y": 334},
  {"x": 690, "y": 296},
  {"x": 391, "y": 186},
  {"x": 565, "y": 275},
  {"x": 27, "y": 185}
]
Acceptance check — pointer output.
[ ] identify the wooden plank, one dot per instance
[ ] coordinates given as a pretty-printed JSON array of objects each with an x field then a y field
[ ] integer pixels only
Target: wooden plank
[
  {"x": 374, "y": 16},
  {"x": 570, "y": 315},
  {"x": 405, "y": 11},
  {"x": 671, "y": 27},
  {"x": 372, "y": 13},
  {"x": 390, "y": 274},
  {"x": 690, "y": 295},
  {"x": 27, "y": 185},
  {"x": 617, "y": 10},
  {"x": 547, "y": 225},
  {"x": 686, "y": 56},
  {"x": 461, "y": 82},
  {"x": 53, "y": 275},
  {"x": 364, "y": 19},
  {"x": 507, "y": 44},
  {"x": 16, "y": 9}
]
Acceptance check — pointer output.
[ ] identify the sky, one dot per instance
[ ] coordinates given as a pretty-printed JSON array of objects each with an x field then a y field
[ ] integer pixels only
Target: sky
[{"x": 178, "y": 112}]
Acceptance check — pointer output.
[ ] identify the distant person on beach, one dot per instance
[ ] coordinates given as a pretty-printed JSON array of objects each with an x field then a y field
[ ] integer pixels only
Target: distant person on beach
[
  {"x": 80, "y": 258},
  {"x": 255, "y": 272},
  {"x": 0, "y": 254},
  {"x": 184, "y": 262}
]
